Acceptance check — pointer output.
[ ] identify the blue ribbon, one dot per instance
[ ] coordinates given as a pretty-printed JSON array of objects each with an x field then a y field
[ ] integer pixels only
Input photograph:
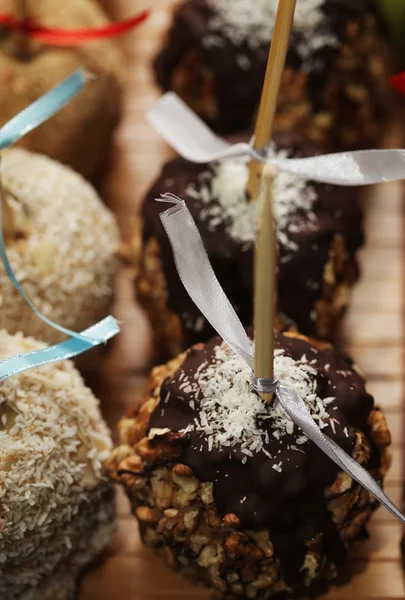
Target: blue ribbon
[
  {"x": 101, "y": 332},
  {"x": 43, "y": 109},
  {"x": 27, "y": 120}
]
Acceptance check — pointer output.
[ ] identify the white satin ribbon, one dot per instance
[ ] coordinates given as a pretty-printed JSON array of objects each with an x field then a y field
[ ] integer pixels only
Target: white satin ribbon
[
  {"x": 194, "y": 141},
  {"x": 200, "y": 281}
]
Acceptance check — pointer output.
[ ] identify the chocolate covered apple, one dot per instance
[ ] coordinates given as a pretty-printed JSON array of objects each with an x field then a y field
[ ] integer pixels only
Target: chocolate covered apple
[
  {"x": 228, "y": 489},
  {"x": 336, "y": 81},
  {"x": 319, "y": 232}
]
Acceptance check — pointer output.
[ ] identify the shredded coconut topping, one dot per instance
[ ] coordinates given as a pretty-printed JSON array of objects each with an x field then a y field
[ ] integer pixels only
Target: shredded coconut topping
[
  {"x": 224, "y": 202},
  {"x": 53, "y": 443},
  {"x": 252, "y": 22},
  {"x": 68, "y": 261},
  {"x": 231, "y": 413}
]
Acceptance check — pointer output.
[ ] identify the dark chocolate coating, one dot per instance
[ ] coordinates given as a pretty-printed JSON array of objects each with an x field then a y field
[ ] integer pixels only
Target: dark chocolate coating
[
  {"x": 237, "y": 90},
  {"x": 290, "y": 503},
  {"x": 337, "y": 211}
]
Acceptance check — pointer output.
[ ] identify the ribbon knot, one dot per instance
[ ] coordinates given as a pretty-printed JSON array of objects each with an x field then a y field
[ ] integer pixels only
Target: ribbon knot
[
  {"x": 263, "y": 385},
  {"x": 193, "y": 140}
]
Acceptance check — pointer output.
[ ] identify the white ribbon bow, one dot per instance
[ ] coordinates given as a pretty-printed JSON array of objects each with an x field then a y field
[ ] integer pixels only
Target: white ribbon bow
[
  {"x": 200, "y": 281},
  {"x": 194, "y": 141}
]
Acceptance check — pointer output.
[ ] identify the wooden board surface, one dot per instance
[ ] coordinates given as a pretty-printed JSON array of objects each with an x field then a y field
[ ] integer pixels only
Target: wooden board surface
[{"x": 373, "y": 332}]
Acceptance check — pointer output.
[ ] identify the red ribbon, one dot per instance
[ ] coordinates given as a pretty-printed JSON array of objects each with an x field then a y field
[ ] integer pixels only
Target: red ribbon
[
  {"x": 398, "y": 83},
  {"x": 71, "y": 37}
]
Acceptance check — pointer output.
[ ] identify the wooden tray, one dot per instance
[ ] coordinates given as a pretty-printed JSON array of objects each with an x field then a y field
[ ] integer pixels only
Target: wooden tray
[{"x": 373, "y": 333}]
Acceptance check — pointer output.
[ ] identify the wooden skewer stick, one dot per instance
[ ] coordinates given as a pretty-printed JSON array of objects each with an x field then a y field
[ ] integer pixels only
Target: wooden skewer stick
[
  {"x": 265, "y": 283},
  {"x": 23, "y": 12},
  {"x": 23, "y": 42},
  {"x": 271, "y": 88},
  {"x": 266, "y": 250}
]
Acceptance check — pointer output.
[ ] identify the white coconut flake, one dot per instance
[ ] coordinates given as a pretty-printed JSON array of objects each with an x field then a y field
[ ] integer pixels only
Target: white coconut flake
[
  {"x": 252, "y": 22},
  {"x": 230, "y": 413},
  {"x": 224, "y": 202}
]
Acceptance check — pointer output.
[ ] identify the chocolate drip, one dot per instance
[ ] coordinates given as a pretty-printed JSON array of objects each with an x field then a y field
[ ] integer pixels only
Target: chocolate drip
[{"x": 291, "y": 503}]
